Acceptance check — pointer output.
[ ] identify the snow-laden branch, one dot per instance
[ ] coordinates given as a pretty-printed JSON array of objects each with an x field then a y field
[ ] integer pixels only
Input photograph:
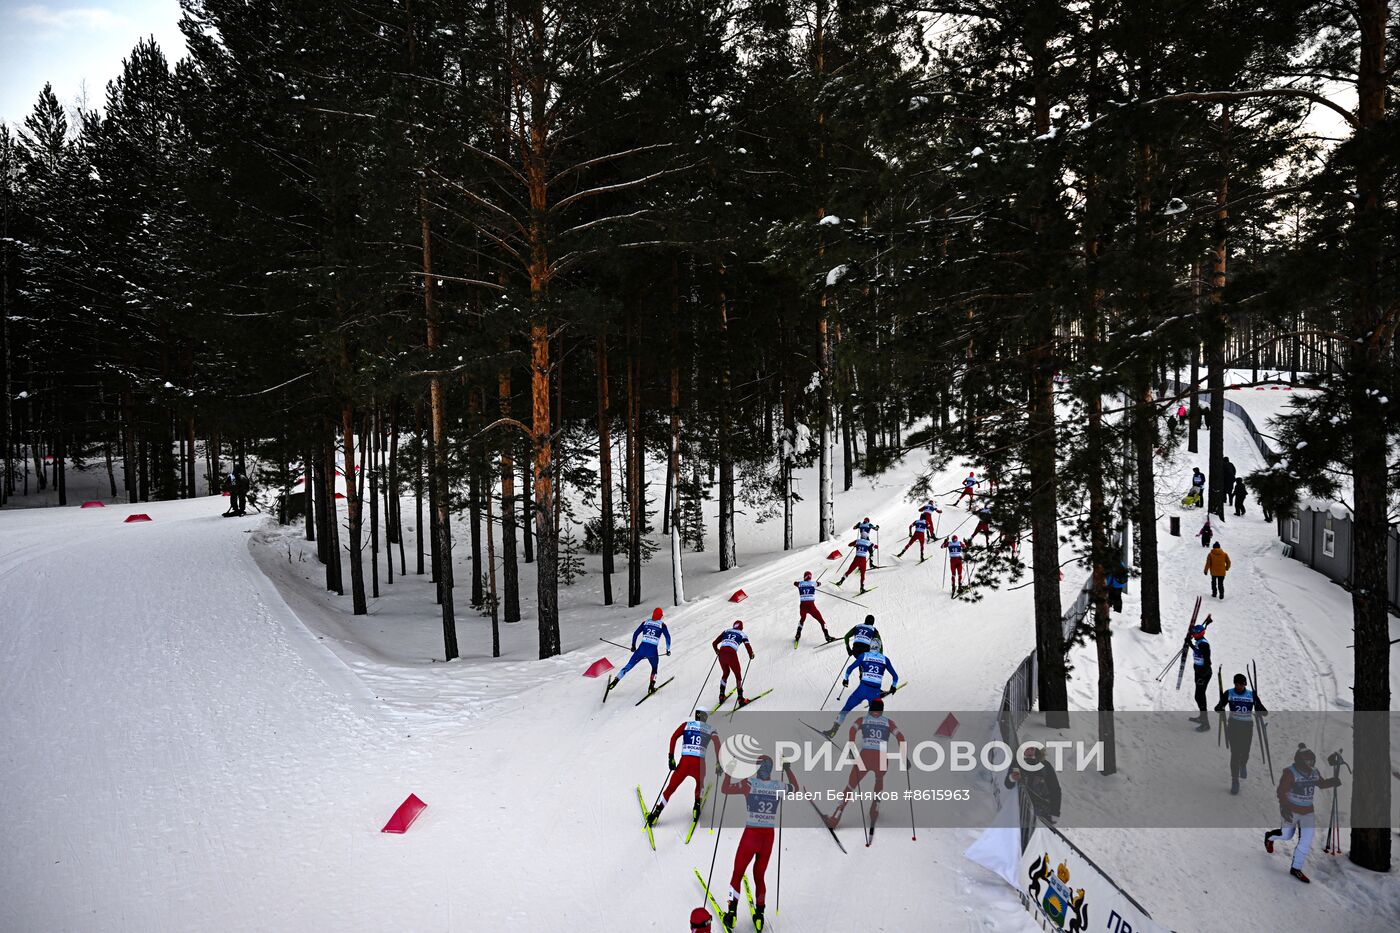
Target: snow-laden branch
[
  {"x": 620, "y": 186},
  {"x": 600, "y": 160},
  {"x": 1226, "y": 96}
]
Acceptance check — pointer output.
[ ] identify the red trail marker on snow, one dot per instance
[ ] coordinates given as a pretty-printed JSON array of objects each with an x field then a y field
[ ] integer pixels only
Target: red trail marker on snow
[
  {"x": 834, "y": 555},
  {"x": 739, "y": 596},
  {"x": 405, "y": 815},
  {"x": 138, "y": 517},
  {"x": 598, "y": 668},
  {"x": 948, "y": 726},
  {"x": 92, "y": 504}
]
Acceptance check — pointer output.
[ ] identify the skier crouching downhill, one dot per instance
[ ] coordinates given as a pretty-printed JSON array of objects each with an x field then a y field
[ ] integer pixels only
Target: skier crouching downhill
[
  {"x": 646, "y": 641},
  {"x": 762, "y": 798},
  {"x": 695, "y": 737},
  {"x": 1296, "y": 786}
]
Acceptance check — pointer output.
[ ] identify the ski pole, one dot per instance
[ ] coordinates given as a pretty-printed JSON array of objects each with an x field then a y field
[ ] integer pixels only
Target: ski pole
[
  {"x": 828, "y": 567},
  {"x": 611, "y": 642},
  {"x": 1175, "y": 658},
  {"x": 846, "y": 599},
  {"x": 833, "y": 684},
  {"x": 778, "y": 892},
  {"x": 909, "y": 785},
  {"x": 696, "y": 704},
  {"x": 715, "y": 854}
]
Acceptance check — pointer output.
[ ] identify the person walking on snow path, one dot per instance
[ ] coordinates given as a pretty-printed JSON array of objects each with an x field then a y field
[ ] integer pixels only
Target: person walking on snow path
[
  {"x": 875, "y": 730},
  {"x": 763, "y": 796},
  {"x": 864, "y": 549},
  {"x": 918, "y": 531},
  {"x": 861, "y": 638},
  {"x": 646, "y": 642},
  {"x": 1195, "y": 498},
  {"x": 969, "y": 487},
  {"x": 1206, "y": 533},
  {"x": 726, "y": 646},
  {"x": 955, "y": 560},
  {"x": 873, "y": 665},
  {"x": 807, "y": 606},
  {"x": 1296, "y": 786},
  {"x": 1227, "y": 472},
  {"x": 1239, "y": 727},
  {"x": 1238, "y": 495},
  {"x": 696, "y": 736},
  {"x": 1217, "y": 565},
  {"x": 1200, "y": 660}
]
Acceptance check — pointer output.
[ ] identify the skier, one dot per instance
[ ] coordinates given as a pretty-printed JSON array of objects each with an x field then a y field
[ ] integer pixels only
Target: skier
[
  {"x": 762, "y": 798},
  {"x": 861, "y": 638},
  {"x": 1206, "y": 532},
  {"x": 1117, "y": 586},
  {"x": 873, "y": 665},
  {"x": 695, "y": 736},
  {"x": 864, "y": 549},
  {"x": 955, "y": 560},
  {"x": 1199, "y": 647},
  {"x": 929, "y": 510},
  {"x": 726, "y": 647},
  {"x": 984, "y": 525},
  {"x": 650, "y": 634},
  {"x": 1042, "y": 784},
  {"x": 239, "y": 503},
  {"x": 1295, "y": 804},
  {"x": 1239, "y": 727},
  {"x": 807, "y": 606},
  {"x": 969, "y": 485},
  {"x": 1238, "y": 495},
  {"x": 918, "y": 531},
  {"x": 1217, "y": 565},
  {"x": 863, "y": 530},
  {"x": 875, "y": 729}
]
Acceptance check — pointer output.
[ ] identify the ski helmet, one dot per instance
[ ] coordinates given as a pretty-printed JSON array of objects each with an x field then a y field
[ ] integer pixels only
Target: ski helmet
[
  {"x": 765, "y": 767},
  {"x": 700, "y": 919},
  {"x": 1304, "y": 757},
  {"x": 1198, "y": 631},
  {"x": 739, "y": 624},
  {"x": 807, "y": 575},
  {"x": 656, "y": 614},
  {"x": 877, "y": 706},
  {"x": 703, "y": 715}
]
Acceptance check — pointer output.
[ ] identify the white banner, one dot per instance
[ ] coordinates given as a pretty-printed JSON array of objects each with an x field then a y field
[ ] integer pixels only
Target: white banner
[{"x": 1072, "y": 894}]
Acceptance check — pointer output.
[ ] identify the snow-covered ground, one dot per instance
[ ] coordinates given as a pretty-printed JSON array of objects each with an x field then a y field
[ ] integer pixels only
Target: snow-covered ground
[{"x": 196, "y": 736}]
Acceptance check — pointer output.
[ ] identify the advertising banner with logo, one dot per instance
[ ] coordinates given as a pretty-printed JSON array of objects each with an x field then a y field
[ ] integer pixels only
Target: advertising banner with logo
[{"x": 1071, "y": 894}]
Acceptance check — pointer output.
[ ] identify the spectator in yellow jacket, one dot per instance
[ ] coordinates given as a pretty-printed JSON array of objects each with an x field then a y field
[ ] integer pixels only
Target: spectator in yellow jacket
[{"x": 1217, "y": 565}]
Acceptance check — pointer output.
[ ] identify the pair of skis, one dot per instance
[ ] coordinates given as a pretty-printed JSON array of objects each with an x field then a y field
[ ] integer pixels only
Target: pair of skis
[
  {"x": 650, "y": 690},
  {"x": 694, "y": 818},
  {"x": 1260, "y": 721},
  {"x": 1181, "y": 668},
  {"x": 758, "y": 922}
]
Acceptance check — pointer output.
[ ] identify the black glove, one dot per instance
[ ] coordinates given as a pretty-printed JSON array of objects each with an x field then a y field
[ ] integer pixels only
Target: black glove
[
  {"x": 668, "y": 652},
  {"x": 845, "y": 683},
  {"x": 671, "y": 762}
]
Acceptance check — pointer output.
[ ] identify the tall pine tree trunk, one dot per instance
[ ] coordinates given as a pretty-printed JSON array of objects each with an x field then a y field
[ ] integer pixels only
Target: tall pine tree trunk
[
  {"x": 1217, "y": 328},
  {"x": 354, "y": 507},
  {"x": 510, "y": 574},
  {"x": 1144, "y": 415},
  {"x": 437, "y": 416},
  {"x": 727, "y": 550},
  {"x": 1370, "y": 379},
  {"x": 636, "y": 463},
  {"x": 605, "y": 517}
]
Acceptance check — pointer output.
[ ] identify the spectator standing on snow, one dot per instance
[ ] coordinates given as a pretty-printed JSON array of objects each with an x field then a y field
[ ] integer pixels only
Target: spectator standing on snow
[
  {"x": 1117, "y": 586},
  {"x": 1227, "y": 471},
  {"x": 1041, "y": 783},
  {"x": 1217, "y": 565},
  {"x": 1238, "y": 495}
]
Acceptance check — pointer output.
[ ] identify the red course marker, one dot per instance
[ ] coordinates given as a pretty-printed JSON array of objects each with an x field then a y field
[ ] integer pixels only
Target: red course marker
[{"x": 405, "y": 815}]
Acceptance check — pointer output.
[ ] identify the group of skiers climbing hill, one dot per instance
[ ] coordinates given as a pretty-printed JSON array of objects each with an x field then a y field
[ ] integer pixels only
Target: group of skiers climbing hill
[{"x": 763, "y": 792}]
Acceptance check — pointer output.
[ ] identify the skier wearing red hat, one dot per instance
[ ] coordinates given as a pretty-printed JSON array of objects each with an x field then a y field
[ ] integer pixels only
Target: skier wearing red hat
[
  {"x": 875, "y": 730},
  {"x": 646, "y": 641},
  {"x": 762, "y": 798},
  {"x": 726, "y": 646},
  {"x": 918, "y": 531},
  {"x": 864, "y": 549},
  {"x": 969, "y": 487},
  {"x": 955, "y": 559},
  {"x": 807, "y": 606}
]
